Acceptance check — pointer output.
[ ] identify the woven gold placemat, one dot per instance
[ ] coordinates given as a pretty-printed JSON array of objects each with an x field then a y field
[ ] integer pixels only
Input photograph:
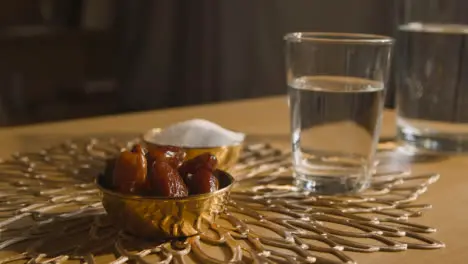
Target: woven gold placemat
[{"x": 50, "y": 212}]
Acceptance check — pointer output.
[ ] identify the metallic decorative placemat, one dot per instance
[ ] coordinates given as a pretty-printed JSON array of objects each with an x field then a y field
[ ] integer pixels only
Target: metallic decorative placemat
[{"x": 50, "y": 212}]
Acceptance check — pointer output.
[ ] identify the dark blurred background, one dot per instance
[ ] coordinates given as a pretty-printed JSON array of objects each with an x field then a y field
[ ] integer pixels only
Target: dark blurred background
[{"x": 63, "y": 59}]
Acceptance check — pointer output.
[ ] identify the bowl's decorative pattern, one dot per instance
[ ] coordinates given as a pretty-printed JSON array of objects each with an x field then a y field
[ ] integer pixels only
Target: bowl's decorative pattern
[{"x": 51, "y": 212}]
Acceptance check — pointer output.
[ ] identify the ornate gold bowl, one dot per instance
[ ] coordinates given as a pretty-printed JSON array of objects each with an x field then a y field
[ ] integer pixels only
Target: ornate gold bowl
[
  {"x": 227, "y": 155},
  {"x": 164, "y": 217}
]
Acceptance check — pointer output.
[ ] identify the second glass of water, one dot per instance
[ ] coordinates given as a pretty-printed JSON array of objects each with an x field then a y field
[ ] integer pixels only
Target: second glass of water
[
  {"x": 432, "y": 75},
  {"x": 336, "y": 86}
]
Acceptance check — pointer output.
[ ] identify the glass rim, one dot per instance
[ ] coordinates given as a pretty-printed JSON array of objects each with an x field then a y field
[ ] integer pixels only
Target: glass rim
[{"x": 337, "y": 37}]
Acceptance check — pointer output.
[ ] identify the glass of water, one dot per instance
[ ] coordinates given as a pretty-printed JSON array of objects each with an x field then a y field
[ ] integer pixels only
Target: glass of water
[
  {"x": 432, "y": 75},
  {"x": 336, "y": 85}
]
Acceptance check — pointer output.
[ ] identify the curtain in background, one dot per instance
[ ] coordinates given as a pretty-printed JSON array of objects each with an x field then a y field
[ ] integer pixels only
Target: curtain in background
[{"x": 178, "y": 52}]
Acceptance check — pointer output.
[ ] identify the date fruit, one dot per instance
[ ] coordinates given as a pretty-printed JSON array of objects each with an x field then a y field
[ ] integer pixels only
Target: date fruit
[
  {"x": 203, "y": 181},
  {"x": 165, "y": 180},
  {"x": 191, "y": 166},
  {"x": 138, "y": 149},
  {"x": 172, "y": 155},
  {"x": 161, "y": 172},
  {"x": 130, "y": 170}
]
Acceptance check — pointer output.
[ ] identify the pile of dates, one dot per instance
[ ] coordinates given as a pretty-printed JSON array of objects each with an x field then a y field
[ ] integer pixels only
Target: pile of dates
[{"x": 162, "y": 172}]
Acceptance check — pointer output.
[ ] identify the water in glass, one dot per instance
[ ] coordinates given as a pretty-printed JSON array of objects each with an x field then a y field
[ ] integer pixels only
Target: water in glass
[{"x": 335, "y": 122}]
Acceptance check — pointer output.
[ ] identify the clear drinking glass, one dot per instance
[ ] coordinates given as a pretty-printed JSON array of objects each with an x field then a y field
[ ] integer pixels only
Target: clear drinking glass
[
  {"x": 336, "y": 85},
  {"x": 432, "y": 74}
]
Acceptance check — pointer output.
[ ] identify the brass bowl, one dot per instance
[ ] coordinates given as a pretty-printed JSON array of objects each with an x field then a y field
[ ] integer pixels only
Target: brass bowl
[
  {"x": 164, "y": 217},
  {"x": 227, "y": 155}
]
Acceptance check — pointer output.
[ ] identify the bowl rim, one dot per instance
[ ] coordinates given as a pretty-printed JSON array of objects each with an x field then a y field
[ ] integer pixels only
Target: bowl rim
[
  {"x": 157, "y": 130},
  {"x": 108, "y": 191}
]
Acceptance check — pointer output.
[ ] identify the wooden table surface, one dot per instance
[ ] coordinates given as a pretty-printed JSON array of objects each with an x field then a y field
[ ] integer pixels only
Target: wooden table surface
[{"x": 267, "y": 119}]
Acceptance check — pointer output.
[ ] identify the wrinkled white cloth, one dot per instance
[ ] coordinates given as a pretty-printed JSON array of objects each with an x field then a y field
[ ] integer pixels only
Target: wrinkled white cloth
[{"x": 197, "y": 133}]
